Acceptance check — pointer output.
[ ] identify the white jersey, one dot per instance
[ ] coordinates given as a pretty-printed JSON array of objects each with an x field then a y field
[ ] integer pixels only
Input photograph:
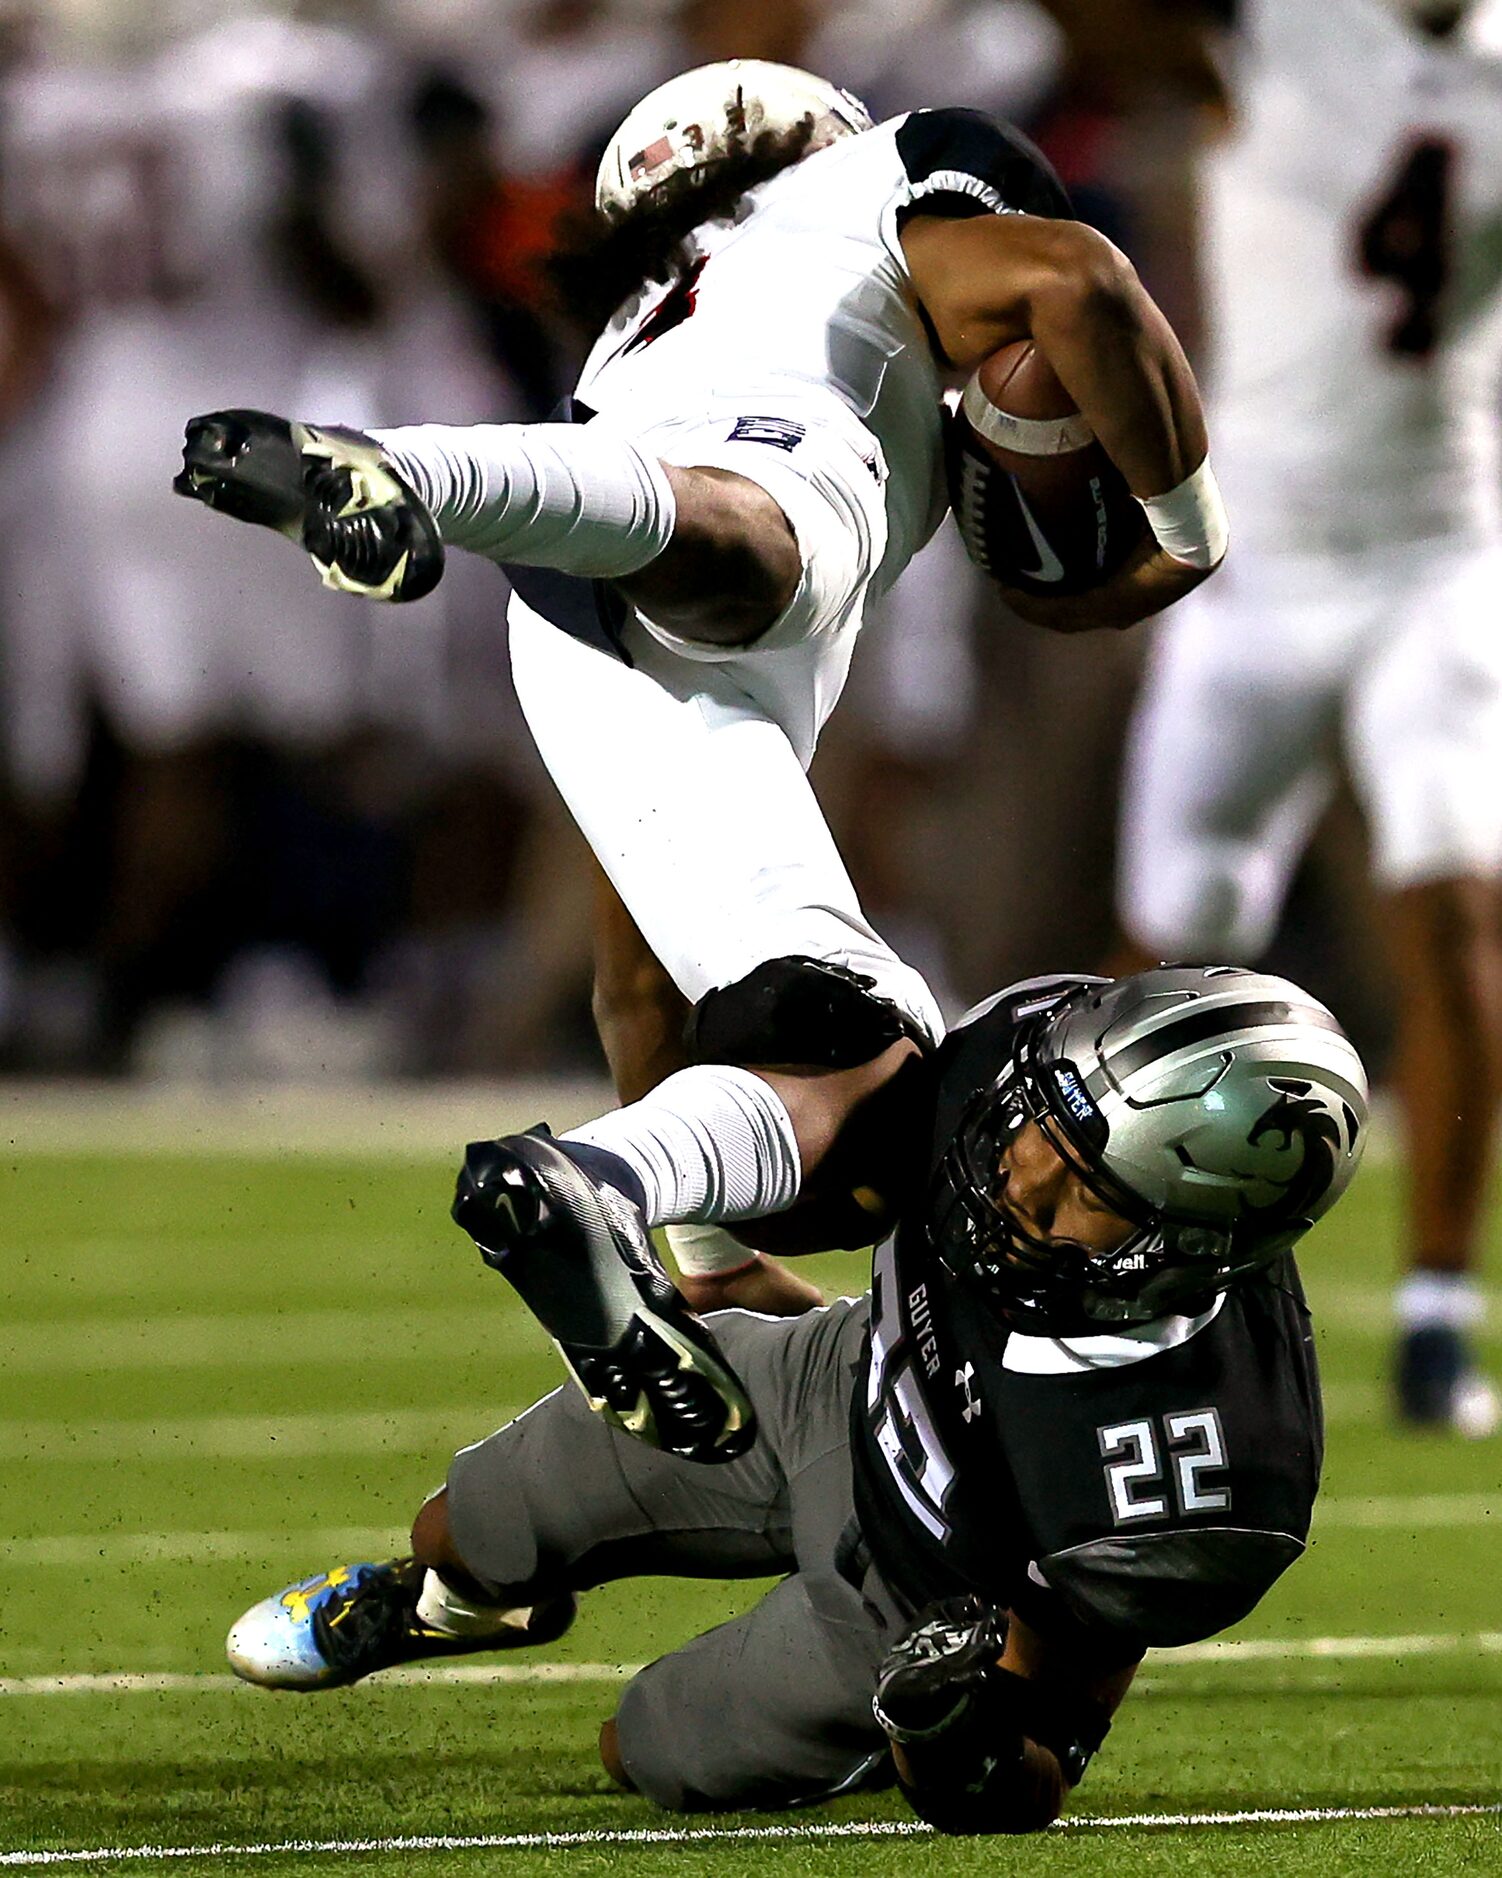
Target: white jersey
[
  {"x": 1354, "y": 234},
  {"x": 802, "y": 314}
]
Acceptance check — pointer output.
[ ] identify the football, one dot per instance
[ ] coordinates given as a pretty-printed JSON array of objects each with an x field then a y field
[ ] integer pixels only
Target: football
[{"x": 1039, "y": 504}]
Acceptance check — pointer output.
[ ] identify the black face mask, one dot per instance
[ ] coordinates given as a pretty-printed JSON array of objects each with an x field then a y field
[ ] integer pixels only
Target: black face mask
[{"x": 1056, "y": 1287}]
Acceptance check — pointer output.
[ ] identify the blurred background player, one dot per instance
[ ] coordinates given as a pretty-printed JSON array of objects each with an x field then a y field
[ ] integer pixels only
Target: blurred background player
[
  {"x": 1354, "y": 234},
  {"x": 216, "y": 769}
]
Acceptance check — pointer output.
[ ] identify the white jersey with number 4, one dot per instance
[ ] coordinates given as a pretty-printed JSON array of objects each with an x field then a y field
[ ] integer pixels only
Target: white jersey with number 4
[{"x": 1355, "y": 267}]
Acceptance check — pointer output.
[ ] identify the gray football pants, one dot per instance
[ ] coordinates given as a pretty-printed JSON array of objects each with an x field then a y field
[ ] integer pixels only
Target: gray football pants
[{"x": 772, "y": 1708}]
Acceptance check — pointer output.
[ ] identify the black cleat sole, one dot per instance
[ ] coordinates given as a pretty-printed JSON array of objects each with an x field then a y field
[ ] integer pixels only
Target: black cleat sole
[
  {"x": 579, "y": 1258},
  {"x": 332, "y": 490},
  {"x": 244, "y": 464},
  {"x": 671, "y": 1390}
]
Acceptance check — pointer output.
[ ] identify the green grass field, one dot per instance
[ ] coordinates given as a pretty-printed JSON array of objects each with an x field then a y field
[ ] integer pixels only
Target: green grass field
[{"x": 220, "y": 1373}]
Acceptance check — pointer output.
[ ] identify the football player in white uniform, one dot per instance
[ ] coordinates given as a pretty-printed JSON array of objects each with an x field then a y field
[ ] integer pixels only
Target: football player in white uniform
[
  {"x": 1355, "y": 267},
  {"x": 786, "y": 294}
]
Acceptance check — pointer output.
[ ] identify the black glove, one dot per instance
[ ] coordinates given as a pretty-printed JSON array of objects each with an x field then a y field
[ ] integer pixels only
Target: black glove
[
  {"x": 962, "y": 1721},
  {"x": 933, "y": 1675}
]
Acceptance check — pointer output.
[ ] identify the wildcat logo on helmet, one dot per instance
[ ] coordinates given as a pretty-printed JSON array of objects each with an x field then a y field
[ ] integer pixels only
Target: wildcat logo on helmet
[{"x": 1215, "y": 1193}]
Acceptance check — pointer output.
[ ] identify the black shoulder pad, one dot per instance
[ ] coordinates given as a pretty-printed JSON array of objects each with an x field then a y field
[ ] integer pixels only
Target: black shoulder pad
[
  {"x": 795, "y": 1011},
  {"x": 961, "y": 162},
  {"x": 1168, "y": 1588}
]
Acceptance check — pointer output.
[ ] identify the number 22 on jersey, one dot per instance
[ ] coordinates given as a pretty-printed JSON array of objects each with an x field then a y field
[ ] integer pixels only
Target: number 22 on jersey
[{"x": 1195, "y": 1444}]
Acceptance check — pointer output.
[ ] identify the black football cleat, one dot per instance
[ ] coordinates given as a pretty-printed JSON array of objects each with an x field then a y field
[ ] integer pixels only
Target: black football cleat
[
  {"x": 579, "y": 1255},
  {"x": 334, "y": 491}
]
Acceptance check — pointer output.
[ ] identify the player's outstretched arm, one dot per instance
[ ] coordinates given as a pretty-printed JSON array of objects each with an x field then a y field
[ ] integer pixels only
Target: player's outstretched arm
[{"x": 990, "y": 280}]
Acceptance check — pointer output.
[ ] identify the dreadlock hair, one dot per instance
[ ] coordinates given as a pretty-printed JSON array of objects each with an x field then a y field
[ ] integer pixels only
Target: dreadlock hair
[{"x": 605, "y": 256}]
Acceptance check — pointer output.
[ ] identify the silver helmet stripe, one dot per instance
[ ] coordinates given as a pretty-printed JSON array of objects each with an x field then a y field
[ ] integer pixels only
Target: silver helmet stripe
[
  {"x": 1195, "y": 1066},
  {"x": 1221, "y": 1021}
]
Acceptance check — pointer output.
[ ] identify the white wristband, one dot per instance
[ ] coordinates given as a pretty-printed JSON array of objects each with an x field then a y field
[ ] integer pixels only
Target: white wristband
[{"x": 1189, "y": 522}]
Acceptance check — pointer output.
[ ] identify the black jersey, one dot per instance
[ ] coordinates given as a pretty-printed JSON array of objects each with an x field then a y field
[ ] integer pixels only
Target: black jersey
[{"x": 1155, "y": 1500}]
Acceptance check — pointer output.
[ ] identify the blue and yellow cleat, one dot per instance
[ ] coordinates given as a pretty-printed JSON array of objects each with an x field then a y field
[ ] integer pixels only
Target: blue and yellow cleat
[{"x": 331, "y": 1630}]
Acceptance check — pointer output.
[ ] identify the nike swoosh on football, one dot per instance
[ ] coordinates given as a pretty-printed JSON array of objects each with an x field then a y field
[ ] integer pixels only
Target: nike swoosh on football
[{"x": 1050, "y": 567}]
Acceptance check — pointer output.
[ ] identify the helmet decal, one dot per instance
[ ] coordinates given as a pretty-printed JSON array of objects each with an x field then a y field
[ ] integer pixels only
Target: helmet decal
[
  {"x": 709, "y": 112},
  {"x": 1298, "y": 1120}
]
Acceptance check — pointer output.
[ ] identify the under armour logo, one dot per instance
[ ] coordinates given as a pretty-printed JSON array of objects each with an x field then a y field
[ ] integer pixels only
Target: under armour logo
[{"x": 964, "y": 1377}]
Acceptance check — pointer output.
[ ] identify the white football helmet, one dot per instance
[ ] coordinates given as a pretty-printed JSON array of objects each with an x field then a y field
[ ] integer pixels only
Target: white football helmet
[{"x": 687, "y": 122}]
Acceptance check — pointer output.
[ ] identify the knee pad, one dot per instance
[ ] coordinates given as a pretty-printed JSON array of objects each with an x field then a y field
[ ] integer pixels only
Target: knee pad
[{"x": 802, "y": 1012}]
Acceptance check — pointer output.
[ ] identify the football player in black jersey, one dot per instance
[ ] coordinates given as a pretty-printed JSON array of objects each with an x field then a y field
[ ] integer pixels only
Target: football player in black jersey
[{"x": 1077, "y": 1417}]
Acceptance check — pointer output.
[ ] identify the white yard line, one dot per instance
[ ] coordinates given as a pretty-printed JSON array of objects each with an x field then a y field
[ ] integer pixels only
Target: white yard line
[
  {"x": 168, "y": 1682},
  {"x": 368, "y": 1120},
  {"x": 1232, "y": 1650},
  {"x": 698, "y": 1835},
  {"x": 319, "y": 1545},
  {"x": 416, "y": 1431},
  {"x": 386, "y": 1330},
  {"x": 1400, "y": 1510},
  {"x": 373, "y": 1121},
  {"x": 252, "y": 1437},
  {"x": 1227, "y": 1653},
  {"x": 160, "y": 1333},
  {"x": 1394, "y": 1512}
]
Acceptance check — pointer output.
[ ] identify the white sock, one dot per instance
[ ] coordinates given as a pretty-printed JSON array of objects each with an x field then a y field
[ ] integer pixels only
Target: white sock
[
  {"x": 1439, "y": 1300},
  {"x": 711, "y": 1142},
  {"x": 706, "y": 1251},
  {"x": 570, "y": 496},
  {"x": 443, "y": 1608}
]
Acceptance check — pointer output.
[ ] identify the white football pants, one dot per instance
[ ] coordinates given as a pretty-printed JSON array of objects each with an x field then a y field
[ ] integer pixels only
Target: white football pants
[
  {"x": 692, "y": 796},
  {"x": 685, "y": 772},
  {"x": 1254, "y": 686}
]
